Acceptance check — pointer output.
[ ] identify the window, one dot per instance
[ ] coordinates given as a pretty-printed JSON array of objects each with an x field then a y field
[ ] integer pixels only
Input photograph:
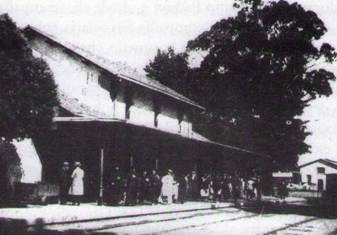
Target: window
[
  {"x": 88, "y": 77},
  {"x": 91, "y": 77},
  {"x": 320, "y": 185},
  {"x": 320, "y": 170},
  {"x": 309, "y": 179}
]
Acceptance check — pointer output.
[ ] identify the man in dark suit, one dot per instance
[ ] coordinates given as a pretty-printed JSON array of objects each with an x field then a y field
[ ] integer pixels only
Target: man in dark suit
[
  {"x": 131, "y": 188},
  {"x": 64, "y": 182},
  {"x": 144, "y": 187},
  {"x": 155, "y": 187},
  {"x": 116, "y": 187},
  {"x": 194, "y": 184}
]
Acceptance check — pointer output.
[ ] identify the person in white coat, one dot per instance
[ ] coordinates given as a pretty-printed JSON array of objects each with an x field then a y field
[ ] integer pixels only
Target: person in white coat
[
  {"x": 77, "y": 186},
  {"x": 167, "y": 187}
]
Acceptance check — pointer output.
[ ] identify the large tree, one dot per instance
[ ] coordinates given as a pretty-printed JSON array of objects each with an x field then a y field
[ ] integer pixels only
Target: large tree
[
  {"x": 10, "y": 172},
  {"x": 261, "y": 70},
  {"x": 27, "y": 99},
  {"x": 27, "y": 90},
  {"x": 265, "y": 61}
]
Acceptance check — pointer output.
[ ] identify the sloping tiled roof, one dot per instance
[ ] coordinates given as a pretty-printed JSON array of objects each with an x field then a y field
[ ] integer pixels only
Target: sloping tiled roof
[
  {"x": 77, "y": 108},
  {"x": 326, "y": 162},
  {"x": 122, "y": 70}
]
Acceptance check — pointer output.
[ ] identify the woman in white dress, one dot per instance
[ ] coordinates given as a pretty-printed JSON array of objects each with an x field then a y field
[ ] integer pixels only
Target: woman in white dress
[
  {"x": 77, "y": 186},
  {"x": 167, "y": 187}
]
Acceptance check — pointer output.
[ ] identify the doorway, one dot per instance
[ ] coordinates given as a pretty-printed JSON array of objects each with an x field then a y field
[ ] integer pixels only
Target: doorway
[{"x": 320, "y": 185}]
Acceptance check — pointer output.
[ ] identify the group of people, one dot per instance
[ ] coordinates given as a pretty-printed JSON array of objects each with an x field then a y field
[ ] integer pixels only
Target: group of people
[
  {"x": 133, "y": 188},
  {"x": 149, "y": 187}
]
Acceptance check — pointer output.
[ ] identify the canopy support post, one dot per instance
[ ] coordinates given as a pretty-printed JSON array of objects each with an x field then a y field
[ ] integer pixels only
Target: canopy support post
[{"x": 101, "y": 187}]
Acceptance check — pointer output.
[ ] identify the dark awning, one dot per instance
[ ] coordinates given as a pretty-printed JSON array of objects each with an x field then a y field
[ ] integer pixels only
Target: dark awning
[{"x": 194, "y": 136}]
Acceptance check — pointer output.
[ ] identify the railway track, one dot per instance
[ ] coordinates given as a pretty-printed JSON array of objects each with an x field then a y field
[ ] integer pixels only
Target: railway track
[
  {"x": 202, "y": 224},
  {"x": 179, "y": 222},
  {"x": 148, "y": 221},
  {"x": 129, "y": 216},
  {"x": 96, "y": 225},
  {"x": 294, "y": 228}
]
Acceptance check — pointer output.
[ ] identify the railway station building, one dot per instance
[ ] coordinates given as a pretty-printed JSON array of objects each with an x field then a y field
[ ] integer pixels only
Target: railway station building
[{"x": 111, "y": 115}]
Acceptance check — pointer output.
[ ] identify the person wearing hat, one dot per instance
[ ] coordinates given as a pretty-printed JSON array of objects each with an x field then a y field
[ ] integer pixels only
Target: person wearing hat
[
  {"x": 167, "y": 187},
  {"x": 155, "y": 186},
  {"x": 64, "y": 182},
  {"x": 77, "y": 186},
  {"x": 131, "y": 188},
  {"x": 144, "y": 186},
  {"x": 115, "y": 187},
  {"x": 193, "y": 182}
]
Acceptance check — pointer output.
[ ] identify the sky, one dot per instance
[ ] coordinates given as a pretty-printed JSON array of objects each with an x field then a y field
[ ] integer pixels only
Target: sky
[{"x": 133, "y": 30}]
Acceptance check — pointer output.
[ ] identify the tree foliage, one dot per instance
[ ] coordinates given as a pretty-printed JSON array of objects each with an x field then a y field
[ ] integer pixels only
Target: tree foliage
[
  {"x": 170, "y": 69},
  {"x": 261, "y": 70},
  {"x": 10, "y": 171},
  {"x": 27, "y": 90}
]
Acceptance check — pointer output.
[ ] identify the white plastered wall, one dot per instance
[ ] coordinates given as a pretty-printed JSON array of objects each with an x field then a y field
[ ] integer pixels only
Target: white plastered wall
[
  {"x": 75, "y": 78},
  {"x": 312, "y": 170},
  {"x": 80, "y": 80},
  {"x": 30, "y": 161}
]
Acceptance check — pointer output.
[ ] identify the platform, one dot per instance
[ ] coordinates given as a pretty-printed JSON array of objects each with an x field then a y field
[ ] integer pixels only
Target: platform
[{"x": 53, "y": 214}]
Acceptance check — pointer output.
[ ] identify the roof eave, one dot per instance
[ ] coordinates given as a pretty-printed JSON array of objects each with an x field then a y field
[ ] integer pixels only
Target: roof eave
[
  {"x": 191, "y": 103},
  {"x": 114, "y": 120},
  {"x": 323, "y": 161}
]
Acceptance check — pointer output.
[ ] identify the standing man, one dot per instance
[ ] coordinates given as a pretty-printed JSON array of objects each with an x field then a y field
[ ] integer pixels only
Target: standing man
[
  {"x": 175, "y": 188},
  {"x": 155, "y": 187},
  {"x": 204, "y": 187},
  {"x": 183, "y": 181},
  {"x": 217, "y": 187},
  {"x": 167, "y": 187},
  {"x": 225, "y": 187},
  {"x": 131, "y": 188},
  {"x": 115, "y": 187},
  {"x": 194, "y": 184},
  {"x": 77, "y": 186},
  {"x": 250, "y": 189},
  {"x": 230, "y": 186},
  {"x": 64, "y": 183},
  {"x": 144, "y": 187}
]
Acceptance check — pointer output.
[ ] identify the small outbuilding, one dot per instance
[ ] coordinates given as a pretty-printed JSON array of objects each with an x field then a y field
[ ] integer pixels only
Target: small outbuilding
[{"x": 315, "y": 173}]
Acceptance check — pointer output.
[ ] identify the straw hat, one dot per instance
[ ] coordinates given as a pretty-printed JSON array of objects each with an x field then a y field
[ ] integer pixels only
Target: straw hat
[
  {"x": 77, "y": 164},
  {"x": 65, "y": 163}
]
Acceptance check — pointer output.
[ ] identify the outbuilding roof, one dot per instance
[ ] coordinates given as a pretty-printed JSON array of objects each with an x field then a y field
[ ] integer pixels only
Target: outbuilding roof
[
  {"x": 326, "y": 162},
  {"x": 119, "y": 69}
]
